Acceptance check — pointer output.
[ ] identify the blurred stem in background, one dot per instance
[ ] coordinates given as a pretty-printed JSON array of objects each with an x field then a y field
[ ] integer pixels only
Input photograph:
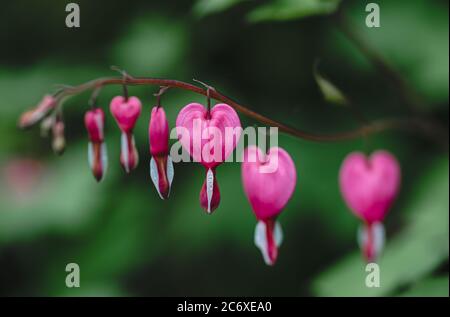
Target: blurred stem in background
[{"x": 409, "y": 97}]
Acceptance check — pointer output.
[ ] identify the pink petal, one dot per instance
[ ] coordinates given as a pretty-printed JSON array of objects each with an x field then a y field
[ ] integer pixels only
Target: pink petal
[
  {"x": 126, "y": 112},
  {"x": 370, "y": 185},
  {"x": 268, "y": 190},
  {"x": 94, "y": 120},
  {"x": 158, "y": 132}
]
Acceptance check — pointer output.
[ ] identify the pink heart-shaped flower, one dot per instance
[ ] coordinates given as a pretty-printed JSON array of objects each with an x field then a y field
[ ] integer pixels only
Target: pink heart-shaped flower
[
  {"x": 94, "y": 121},
  {"x": 370, "y": 185},
  {"x": 125, "y": 111},
  {"x": 209, "y": 137},
  {"x": 269, "y": 180}
]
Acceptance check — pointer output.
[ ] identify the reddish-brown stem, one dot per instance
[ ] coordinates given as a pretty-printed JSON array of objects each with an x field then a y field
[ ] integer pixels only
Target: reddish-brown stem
[
  {"x": 412, "y": 124},
  {"x": 158, "y": 95},
  {"x": 208, "y": 97}
]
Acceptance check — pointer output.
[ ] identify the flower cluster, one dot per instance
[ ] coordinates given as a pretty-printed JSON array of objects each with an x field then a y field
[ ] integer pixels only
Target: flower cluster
[{"x": 369, "y": 185}]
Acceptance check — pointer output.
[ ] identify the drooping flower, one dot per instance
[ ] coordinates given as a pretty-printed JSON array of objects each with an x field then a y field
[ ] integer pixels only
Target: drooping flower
[
  {"x": 126, "y": 112},
  {"x": 269, "y": 181},
  {"x": 34, "y": 115},
  {"x": 161, "y": 166},
  {"x": 369, "y": 186},
  {"x": 94, "y": 120},
  {"x": 209, "y": 137}
]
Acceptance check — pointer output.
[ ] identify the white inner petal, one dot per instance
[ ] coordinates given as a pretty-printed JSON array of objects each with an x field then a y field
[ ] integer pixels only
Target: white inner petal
[
  {"x": 278, "y": 234},
  {"x": 260, "y": 239},
  {"x": 169, "y": 172},
  {"x": 378, "y": 237},
  {"x": 124, "y": 150},
  {"x": 154, "y": 175},
  {"x": 209, "y": 187}
]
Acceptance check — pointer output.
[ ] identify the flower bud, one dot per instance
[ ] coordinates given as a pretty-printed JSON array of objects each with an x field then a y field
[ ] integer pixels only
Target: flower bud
[
  {"x": 46, "y": 125},
  {"x": 59, "y": 141},
  {"x": 30, "y": 117},
  {"x": 161, "y": 167},
  {"x": 94, "y": 121}
]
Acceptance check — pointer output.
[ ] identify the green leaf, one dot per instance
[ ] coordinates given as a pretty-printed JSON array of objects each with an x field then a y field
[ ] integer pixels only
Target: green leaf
[
  {"x": 206, "y": 7},
  {"x": 292, "y": 9},
  {"x": 330, "y": 92},
  {"x": 414, "y": 252},
  {"x": 433, "y": 287}
]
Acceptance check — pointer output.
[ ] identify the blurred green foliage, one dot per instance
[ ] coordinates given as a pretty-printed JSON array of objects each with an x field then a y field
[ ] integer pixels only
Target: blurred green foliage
[
  {"x": 292, "y": 9},
  {"x": 129, "y": 242},
  {"x": 205, "y": 7}
]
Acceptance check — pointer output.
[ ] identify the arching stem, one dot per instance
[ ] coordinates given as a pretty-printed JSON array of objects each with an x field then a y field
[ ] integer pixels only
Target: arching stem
[{"x": 416, "y": 125}]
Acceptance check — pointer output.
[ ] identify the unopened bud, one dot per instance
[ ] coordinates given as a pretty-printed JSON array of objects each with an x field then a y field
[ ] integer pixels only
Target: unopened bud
[
  {"x": 46, "y": 126},
  {"x": 31, "y": 117},
  {"x": 59, "y": 141}
]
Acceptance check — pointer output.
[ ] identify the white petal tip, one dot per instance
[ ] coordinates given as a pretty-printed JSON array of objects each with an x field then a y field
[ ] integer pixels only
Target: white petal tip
[
  {"x": 260, "y": 239},
  {"x": 377, "y": 237},
  {"x": 154, "y": 176}
]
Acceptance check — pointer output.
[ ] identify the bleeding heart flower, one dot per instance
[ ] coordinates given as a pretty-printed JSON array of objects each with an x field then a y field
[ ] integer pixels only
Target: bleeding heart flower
[
  {"x": 210, "y": 137},
  {"x": 369, "y": 187},
  {"x": 269, "y": 181},
  {"x": 126, "y": 112},
  {"x": 34, "y": 115},
  {"x": 94, "y": 120},
  {"x": 161, "y": 167}
]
